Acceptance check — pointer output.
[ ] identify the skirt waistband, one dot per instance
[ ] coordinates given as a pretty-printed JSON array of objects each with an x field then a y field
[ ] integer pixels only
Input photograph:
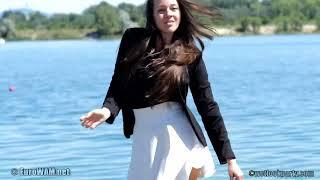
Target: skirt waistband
[{"x": 158, "y": 110}]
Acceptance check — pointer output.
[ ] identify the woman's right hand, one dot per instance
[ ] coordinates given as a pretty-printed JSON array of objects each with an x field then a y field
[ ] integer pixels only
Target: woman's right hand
[{"x": 95, "y": 117}]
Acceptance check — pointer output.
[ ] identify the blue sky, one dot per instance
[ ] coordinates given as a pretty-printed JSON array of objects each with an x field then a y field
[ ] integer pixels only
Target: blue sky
[{"x": 58, "y": 6}]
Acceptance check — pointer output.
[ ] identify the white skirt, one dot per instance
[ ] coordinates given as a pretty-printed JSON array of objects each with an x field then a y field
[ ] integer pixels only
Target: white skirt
[{"x": 165, "y": 147}]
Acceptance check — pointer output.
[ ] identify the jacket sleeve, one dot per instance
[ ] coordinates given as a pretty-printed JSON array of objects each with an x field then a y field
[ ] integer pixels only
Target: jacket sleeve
[
  {"x": 110, "y": 100},
  {"x": 209, "y": 111}
]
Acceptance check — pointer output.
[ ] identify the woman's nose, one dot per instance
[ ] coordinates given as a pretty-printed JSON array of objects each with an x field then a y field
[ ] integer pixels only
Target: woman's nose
[{"x": 168, "y": 13}]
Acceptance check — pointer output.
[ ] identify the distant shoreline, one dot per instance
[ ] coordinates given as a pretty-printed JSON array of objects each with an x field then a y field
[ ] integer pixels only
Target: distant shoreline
[
  {"x": 266, "y": 30},
  {"x": 82, "y": 34}
]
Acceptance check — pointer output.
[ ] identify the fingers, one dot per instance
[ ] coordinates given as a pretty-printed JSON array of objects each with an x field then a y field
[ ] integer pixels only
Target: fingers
[
  {"x": 237, "y": 174},
  {"x": 231, "y": 174},
  {"x": 240, "y": 177},
  {"x": 84, "y": 123},
  {"x": 90, "y": 121},
  {"x": 237, "y": 177},
  {"x": 86, "y": 120},
  {"x": 85, "y": 117},
  {"x": 89, "y": 124},
  {"x": 94, "y": 124},
  {"x": 231, "y": 177}
]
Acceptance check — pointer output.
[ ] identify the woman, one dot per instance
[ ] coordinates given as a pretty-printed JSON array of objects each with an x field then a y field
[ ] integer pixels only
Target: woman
[{"x": 154, "y": 68}]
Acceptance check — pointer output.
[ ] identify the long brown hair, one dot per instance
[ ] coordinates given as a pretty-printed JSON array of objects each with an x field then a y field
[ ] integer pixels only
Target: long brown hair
[{"x": 169, "y": 68}]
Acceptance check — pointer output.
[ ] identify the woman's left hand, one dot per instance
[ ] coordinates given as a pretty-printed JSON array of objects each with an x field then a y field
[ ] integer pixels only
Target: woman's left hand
[{"x": 234, "y": 170}]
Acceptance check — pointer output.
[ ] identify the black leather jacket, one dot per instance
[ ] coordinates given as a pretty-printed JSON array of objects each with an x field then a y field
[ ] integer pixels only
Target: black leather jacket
[{"x": 201, "y": 92}]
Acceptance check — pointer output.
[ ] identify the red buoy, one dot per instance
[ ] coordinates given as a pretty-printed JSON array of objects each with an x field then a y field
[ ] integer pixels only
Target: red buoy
[{"x": 12, "y": 88}]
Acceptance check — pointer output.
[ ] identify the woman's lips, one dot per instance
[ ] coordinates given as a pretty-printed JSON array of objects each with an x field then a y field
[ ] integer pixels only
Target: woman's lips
[{"x": 169, "y": 22}]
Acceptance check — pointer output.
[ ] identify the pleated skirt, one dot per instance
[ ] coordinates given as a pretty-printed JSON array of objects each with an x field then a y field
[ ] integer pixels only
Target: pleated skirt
[{"x": 165, "y": 147}]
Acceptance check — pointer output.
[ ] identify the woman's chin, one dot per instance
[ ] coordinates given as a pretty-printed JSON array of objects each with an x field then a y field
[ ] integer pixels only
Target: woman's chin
[{"x": 169, "y": 30}]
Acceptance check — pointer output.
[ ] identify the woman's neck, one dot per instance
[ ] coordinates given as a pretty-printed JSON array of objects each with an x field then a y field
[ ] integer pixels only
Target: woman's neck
[
  {"x": 163, "y": 40},
  {"x": 167, "y": 38}
]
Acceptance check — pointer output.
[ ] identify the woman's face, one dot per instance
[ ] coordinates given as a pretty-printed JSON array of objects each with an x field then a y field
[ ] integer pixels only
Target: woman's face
[{"x": 166, "y": 14}]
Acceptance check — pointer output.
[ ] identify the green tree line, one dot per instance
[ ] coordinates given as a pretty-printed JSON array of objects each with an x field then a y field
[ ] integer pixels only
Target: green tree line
[{"x": 105, "y": 20}]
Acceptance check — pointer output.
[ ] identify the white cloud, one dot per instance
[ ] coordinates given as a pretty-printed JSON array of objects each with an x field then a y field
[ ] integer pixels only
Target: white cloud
[{"x": 61, "y": 6}]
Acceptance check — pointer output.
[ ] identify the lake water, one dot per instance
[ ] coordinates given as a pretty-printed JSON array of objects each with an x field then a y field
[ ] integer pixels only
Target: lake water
[{"x": 267, "y": 87}]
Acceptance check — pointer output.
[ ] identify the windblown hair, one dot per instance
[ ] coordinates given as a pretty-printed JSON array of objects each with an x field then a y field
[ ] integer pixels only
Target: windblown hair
[
  {"x": 189, "y": 27},
  {"x": 168, "y": 66}
]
